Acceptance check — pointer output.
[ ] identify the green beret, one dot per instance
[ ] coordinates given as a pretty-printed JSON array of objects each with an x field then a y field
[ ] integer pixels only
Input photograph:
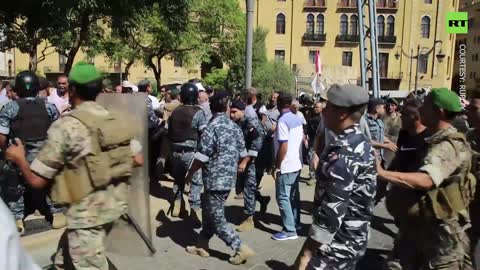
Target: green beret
[
  {"x": 446, "y": 99},
  {"x": 83, "y": 73}
]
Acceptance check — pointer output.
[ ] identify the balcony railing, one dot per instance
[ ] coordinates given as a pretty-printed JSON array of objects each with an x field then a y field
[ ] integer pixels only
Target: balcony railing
[
  {"x": 387, "y": 40},
  {"x": 347, "y": 38},
  {"x": 315, "y": 4},
  {"x": 314, "y": 38},
  {"x": 352, "y": 4},
  {"x": 387, "y": 5}
]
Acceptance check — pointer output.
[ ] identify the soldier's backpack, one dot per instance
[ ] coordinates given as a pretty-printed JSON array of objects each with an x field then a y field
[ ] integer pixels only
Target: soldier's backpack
[
  {"x": 110, "y": 158},
  {"x": 452, "y": 199}
]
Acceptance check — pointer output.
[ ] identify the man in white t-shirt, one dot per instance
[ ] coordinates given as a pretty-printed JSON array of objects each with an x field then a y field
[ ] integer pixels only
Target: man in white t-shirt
[
  {"x": 12, "y": 254},
  {"x": 59, "y": 96},
  {"x": 288, "y": 163}
]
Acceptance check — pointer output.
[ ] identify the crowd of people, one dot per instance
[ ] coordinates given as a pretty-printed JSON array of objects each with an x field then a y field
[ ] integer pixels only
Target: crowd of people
[{"x": 70, "y": 159}]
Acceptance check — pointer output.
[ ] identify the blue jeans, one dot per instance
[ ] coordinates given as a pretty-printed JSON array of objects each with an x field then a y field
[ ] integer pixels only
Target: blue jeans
[{"x": 288, "y": 199}]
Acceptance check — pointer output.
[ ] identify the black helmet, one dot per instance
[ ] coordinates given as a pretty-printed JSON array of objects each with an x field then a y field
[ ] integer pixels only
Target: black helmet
[
  {"x": 189, "y": 94},
  {"x": 27, "y": 84}
]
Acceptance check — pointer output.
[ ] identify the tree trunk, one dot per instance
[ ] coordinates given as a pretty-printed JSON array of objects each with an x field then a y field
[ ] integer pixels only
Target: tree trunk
[
  {"x": 157, "y": 69},
  {"x": 32, "y": 55},
  {"x": 127, "y": 68},
  {"x": 82, "y": 35}
]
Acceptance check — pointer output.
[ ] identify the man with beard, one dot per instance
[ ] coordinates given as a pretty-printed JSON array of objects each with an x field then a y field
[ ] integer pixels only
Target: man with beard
[
  {"x": 412, "y": 149},
  {"x": 59, "y": 96}
]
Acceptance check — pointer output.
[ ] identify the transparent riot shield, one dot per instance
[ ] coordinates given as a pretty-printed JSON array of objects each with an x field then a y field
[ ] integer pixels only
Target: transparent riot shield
[{"x": 132, "y": 236}]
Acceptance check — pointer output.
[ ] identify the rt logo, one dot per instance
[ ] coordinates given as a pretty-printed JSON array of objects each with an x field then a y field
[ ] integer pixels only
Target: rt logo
[{"x": 457, "y": 22}]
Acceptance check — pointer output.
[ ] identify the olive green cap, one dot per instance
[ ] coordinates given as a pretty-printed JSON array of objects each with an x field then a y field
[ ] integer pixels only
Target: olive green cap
[
  {"x": 83, "y": 73},
  {"x": 446, "y": 99}
]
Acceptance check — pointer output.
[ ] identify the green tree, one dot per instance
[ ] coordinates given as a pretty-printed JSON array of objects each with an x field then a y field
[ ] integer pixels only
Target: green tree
[
  {"x": 273, "y": 75},
  {"x": 267, "y": 76},
  {"x": 188, "y": 29},
  {"x": 24, "y": 25},
  {"x": 84, "y": 23},
  {"x": 216, "y": 78}
]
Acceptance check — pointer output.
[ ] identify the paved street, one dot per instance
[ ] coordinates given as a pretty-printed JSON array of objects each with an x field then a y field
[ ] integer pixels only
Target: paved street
[{"x": 171, "y": 236}]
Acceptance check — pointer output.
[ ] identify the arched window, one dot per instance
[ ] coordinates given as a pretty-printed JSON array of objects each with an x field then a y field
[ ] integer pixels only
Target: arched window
[
  {"x": 343, "y": 25},
  {"x": 425, "y": 27},
  {"x": 391, "y": 26},
  {"x": 280, "y": 24},
  {"x": 381, "y": 26},
  {"x": 320, "y": 24},
  {"x": 354, "y": 25},
  {"x": 310, "y": 24}
]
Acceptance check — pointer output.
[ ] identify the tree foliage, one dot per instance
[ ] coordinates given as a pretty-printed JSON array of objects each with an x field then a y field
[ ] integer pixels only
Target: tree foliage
[
  {"x": 188, "y": 29},
  {"x": 216, "y": 78},
  {"x": 267, "y": 76},
  {"x": 273, "y": 75}
]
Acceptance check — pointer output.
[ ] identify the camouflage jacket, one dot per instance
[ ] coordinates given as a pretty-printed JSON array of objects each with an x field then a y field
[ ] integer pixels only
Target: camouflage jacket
[
  {"x": 68, "y": 142},
  {"x": 442, "y": 160},
  {"x": 220, "y": 148},
  {"x": 253, "y": 134},
  {"x": 344, "y": 195}
]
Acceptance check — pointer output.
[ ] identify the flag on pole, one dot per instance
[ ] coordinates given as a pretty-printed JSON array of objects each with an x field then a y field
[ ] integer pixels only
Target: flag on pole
[
  {"x": 318, "y": 63},
  {"x": 317, "y": 85}
]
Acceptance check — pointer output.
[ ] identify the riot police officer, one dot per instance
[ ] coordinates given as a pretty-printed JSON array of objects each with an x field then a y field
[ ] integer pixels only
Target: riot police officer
[
  {"x": 27, "y": 118},
  {"x": 220, "y": 148},
  {"x": 253, "y": 135},
  {"x": 184, "y": 127}
]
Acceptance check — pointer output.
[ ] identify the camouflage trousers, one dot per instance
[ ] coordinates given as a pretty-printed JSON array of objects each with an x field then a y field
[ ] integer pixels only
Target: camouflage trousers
[
  {"x": 214, "y": 221},
  {"x": 330, "y": 263},
  {"x": 425, "y": 245},
  {"x": 179, "y": 162},
  {"x": 83, "y": 249},
  {"x": 248, "y": 183}
]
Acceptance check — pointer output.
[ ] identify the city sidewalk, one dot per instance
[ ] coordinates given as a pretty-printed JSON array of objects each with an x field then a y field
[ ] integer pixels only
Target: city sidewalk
[{"x": 172, "y": 235}]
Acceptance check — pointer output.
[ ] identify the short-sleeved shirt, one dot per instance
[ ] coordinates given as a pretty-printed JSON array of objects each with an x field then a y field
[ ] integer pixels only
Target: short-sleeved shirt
[
  {"x": 68, "y": 142},
  {"x": 62, "y": 103},
  {"x": 442, "y": 160},
  {"x": 9, "y": 113},
  {"x": 290, "y": 130},
  {"x": 220, "y": 148}
]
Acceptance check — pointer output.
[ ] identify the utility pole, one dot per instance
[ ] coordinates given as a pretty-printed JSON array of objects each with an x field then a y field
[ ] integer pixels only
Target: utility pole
[
  {"x": 249, "y": 45},
  {"x": 369, "y": 32},
  {"x": 416, "y": 73}
]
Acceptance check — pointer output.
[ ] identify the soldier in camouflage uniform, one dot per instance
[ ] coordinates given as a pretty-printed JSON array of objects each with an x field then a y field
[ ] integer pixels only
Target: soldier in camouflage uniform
[
  {"x": 253, "y": 135},
  {"x": 184, "y": 127},
  {"x": 439, "y": 241},
  {"x": 27, "y": 118},
  {"x": 221, "y": 146},
  {"x": 90, "y": 218},
  {"x": 473, "y": 137},
  {"x": 345, "y": 190}
]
